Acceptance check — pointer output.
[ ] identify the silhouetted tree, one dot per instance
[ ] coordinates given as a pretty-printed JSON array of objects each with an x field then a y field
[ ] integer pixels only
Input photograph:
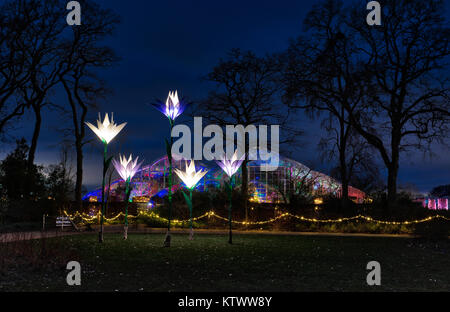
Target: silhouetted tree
[
  {"x": 15, "y": 178},
  {"x": 43, "y": 24},
  {"x": 322, "y": 78},
  {"x": 354, "y": 155},
  {"x": 83, "y": 54},
  {"x": 245, "y": 94},
  {"x": 408, "y": 58},
  {"x": 59, "y": 181},
  {"x": 17, "y": 60},
  {"x": 441, "y": 191},
  {"x": 40, "y": 51},
  {"x": 395, "y": 75}
]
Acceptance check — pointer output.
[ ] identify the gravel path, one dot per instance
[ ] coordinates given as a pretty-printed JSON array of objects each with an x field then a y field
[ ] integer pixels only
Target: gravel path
[{"x": 18, "y": 236}]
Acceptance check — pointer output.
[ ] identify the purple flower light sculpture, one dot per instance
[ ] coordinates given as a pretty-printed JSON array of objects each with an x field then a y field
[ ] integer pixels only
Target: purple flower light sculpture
[
  {"x": 172, "y": 108},
  {"x": 126, "y": 168},
  {"x": 231, "y": 166}
]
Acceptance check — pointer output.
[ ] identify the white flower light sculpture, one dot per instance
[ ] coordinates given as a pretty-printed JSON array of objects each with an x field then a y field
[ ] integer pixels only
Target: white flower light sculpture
[
  {"x": 190, "y": 177},
  {"x": 230, "y": 167},
  {"x": 106, "y": 130},
  {"x": 126, "y": 168}
]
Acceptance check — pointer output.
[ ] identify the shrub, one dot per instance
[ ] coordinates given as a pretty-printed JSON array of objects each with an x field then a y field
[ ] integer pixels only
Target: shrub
[
  {"x": 151, "y": 220},
  {"x": 436, "y": 229}
]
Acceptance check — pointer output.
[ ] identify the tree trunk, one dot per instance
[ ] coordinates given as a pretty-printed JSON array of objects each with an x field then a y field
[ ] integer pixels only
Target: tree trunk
[
  {"x": 392, "y": 184},
  {"x": 343, "y": 159},
  {"x": 32, "y": 152},
  {"x": 79, "y": 134},
  {"x": 393, "y": 167},
  {"x": 344, "y": 180},
  {"x": 344, "y": 193},
  {"x": 244, "y": 186},
  {"x": 79, "y": 177},
  {"x": 34, "y": 139}
]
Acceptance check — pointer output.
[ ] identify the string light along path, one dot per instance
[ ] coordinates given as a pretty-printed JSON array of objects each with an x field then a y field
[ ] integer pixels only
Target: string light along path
[{"x": 212, "y": 214}]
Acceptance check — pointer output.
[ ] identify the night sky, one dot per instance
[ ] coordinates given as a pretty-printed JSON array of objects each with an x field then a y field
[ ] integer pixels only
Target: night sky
[{"x": 168, "y": 45}]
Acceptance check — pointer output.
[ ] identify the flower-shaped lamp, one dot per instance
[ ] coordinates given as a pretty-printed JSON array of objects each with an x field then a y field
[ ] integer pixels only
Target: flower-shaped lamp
[
  {"x": 126, "y": 168},
  {"x": 106, "y": 130},
  {"x": 190, "y": 177},
  {"x": 173, "y": 107},
  {"x": 231, "y": 166}
]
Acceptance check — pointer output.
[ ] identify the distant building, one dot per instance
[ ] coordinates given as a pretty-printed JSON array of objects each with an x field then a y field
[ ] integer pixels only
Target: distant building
[
  {"x": 438, "y": 198},
  {"x": 264, "y": 186},
  {"x": 434, "y": 203}
]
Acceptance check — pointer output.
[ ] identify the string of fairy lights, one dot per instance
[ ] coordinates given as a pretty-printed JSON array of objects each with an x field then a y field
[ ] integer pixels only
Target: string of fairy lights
[{"x": 212, "y": 214}]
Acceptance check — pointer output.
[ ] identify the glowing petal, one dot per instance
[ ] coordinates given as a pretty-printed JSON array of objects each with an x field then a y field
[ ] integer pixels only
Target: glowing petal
[
  {"x": 173, "y": 107},
  {"x": 190, "y": 177},
  {"x": 126, "y": 168},
  {"x": 231, "y": 166},
  {"x": 107, "y": 130}
]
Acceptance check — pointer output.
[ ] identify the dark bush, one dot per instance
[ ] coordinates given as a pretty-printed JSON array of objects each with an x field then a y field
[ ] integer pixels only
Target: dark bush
[{"x": 436, "y": 229}]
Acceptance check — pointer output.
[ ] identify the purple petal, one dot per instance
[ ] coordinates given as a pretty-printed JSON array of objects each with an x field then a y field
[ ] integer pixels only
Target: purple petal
[{"x": 161, "y": 107}]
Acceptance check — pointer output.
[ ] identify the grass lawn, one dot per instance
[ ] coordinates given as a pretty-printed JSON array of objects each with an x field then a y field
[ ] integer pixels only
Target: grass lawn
[{"x": 252, "y": 263}]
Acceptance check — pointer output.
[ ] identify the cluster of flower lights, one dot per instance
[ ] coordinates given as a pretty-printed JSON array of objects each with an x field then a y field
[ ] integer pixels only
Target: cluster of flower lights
[
  {"x": 209, "y": 214},
  {"x": 127, "y": 168},
  {"x": 106, "y": 131}
]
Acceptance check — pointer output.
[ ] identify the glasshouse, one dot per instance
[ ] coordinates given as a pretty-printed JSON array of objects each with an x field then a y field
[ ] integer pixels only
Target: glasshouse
[{"x": 264, "y": 186}]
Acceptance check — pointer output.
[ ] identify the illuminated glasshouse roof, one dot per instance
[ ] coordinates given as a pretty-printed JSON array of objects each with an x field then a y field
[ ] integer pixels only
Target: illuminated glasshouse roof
[{"x": 264, "y": 186}]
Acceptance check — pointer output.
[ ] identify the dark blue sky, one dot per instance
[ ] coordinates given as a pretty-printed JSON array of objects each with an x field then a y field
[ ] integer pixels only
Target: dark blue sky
[{"x": 168, "y": 45}]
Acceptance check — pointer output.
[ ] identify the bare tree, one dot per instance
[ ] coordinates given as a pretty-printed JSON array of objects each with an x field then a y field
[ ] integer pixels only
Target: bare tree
[
  {"x": 39, "y": 51},
  {"x": 36, "y": 41},
  {"x": 353, "y": 154},
  {"x": 82, "y": 54},
  {"x": 322, "y": 78},
  {"x": 245, "y": 94},
  {"x": 408, "y": 57},
  {"x": 60, "y": 179},
  {"x": 16, "y": 62},
  {"x": 391, "y": 80}
]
